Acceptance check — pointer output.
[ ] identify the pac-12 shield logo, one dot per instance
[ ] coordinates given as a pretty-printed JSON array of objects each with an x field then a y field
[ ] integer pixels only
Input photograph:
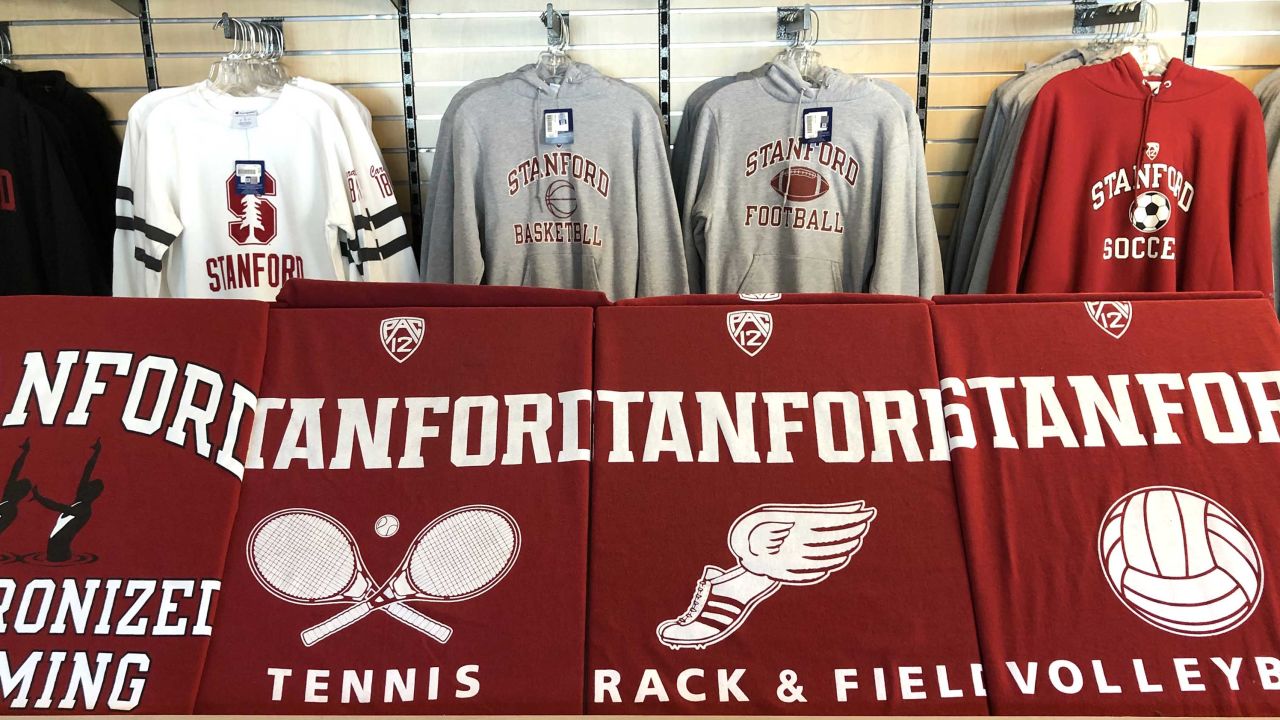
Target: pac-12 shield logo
[
  {"x": 401, "y": 336},
  {"x": 750, "y": 330},
  {"x": 1113, "y": 316},
  {"x": 760, "y": 297},
  {"x": 1153, "y": 149},
  {"x": 1180, "y": 561}
]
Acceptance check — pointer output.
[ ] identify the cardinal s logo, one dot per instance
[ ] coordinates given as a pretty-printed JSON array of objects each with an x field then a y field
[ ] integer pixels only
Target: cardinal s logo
[
  {"x": 750, "y": 330},
  {"x": 255, "y": 216},
  {"x": 401, "y": 336},
  {"x": 775, "y": 545},
  {"x": 1111, "y": 315}
]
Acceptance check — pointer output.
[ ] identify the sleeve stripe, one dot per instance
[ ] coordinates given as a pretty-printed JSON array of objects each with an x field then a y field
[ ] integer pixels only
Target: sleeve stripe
[
  {"x": 385, "y": 216},
  {"x": 345, "y": 250},
  {"x": 398, "y": 245},
  {"x": 362, "y": 222},
  {"x": 124, "y": 222},
  {"x": 124, "y": 193},
  {"x": 151, "y": 263}
]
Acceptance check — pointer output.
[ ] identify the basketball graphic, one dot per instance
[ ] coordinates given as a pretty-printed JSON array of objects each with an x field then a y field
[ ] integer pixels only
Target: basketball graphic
[
  {"x": 1180, "y": 561},
  {"x": 561, "y": 199},
  {"x": 386, "y": 526}
]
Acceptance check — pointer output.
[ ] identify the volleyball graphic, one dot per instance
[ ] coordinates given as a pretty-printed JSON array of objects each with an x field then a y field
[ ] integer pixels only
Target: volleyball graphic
[{"x": 1180, "y": 561}]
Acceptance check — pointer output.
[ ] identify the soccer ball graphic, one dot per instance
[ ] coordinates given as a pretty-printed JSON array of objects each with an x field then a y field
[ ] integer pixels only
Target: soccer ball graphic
[
  {"x": 1180, "y": 561},
  {"x": 1150, "y": 211}
]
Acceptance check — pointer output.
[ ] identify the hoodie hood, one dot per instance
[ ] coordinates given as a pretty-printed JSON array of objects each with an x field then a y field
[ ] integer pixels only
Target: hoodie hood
[
  {"x": 1180, "y": 81},
  {"x": 578, "y": 80},
  {"x": 782, "y": 80}
]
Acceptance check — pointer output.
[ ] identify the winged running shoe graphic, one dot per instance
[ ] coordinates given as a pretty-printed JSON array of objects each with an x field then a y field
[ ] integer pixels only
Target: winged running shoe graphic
[{"x": 775, "y": 545}]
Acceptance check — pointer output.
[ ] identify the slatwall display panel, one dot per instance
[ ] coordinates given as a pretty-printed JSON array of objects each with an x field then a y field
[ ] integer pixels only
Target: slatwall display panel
[
  {"x": 95, "y": 42},
  {"x": 979, "y": 45},
  {"x": 1241, "y": 39},
  {"x": 354, "y": 44},
  {"x": 715, "y": 38}
]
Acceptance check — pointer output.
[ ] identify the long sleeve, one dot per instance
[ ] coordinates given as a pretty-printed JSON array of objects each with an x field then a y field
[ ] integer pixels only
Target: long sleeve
[
  {"x": 696, "y": 194},
  {"x": 897, "y": 266},
  {"x": 453, "y": 240},
  {"x": 964, "y": 227},
  {"x": 1021, "y": 210},
  {"x": 928, "y": 251},
  {"x": 147, "y": 224},
  {"x": 385, "y": 253},
  {"x": 64, "y": 235},
  {"x": 661, "y": 266},
  {"x": 1251, "y": 230}
]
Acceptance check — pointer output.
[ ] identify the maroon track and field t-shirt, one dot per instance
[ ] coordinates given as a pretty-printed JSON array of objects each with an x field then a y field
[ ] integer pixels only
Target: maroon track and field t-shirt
[{"x": 772, "y": 529}]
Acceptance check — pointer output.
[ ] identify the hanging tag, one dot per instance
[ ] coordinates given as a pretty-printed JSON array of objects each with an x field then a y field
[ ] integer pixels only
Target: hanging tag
[
  {"x": 817, "y": 125},
  {"x": 557, "y": 127},
  {"x": 244, "y": 119},
  {"x": 249, "y": 177}
]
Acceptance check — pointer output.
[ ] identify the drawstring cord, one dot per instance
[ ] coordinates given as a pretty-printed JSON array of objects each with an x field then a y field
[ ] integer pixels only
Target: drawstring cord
[{"x": 1142, "y": 138}]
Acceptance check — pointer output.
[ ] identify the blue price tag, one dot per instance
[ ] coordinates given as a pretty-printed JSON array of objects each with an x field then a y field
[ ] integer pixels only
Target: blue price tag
[
  {"x": 817, "y": 125},
  {"x": 557, "y": 126},
  {"x": 250, "y": 176}
]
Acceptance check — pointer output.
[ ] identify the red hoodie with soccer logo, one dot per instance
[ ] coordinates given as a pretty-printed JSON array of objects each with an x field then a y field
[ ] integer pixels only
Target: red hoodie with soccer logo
[{"x": 1132, "y": 183}]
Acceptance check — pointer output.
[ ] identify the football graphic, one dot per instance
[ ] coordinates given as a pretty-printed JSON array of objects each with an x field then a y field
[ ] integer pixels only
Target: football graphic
[
  {"x": 1150, "y": 211},
  {"x": 799, "y": 184},
  {"x": 1180, "y": 561}
]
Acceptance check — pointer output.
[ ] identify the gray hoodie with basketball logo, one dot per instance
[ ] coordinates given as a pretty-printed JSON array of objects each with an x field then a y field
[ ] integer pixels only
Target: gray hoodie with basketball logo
[
  {"x": 508, "y": 208},
  {"x": 766, "y": 212}
]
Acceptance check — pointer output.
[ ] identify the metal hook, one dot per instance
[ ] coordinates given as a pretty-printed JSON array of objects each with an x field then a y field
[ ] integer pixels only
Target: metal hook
[
  {"x": 279, "y": 32},
  {"x": 557, "y": 24}
]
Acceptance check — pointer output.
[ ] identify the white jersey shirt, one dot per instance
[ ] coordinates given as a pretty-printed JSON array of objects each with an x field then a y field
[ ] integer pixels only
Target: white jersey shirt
[
  {"x": 383, "y": 252},
  {"x": 232, "y": 196}
]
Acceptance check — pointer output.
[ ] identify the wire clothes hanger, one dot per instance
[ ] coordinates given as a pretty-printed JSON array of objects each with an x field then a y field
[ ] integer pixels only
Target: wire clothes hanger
[
  {"x": 252, "y": 67},
  {"x": 1133, "y": 37},
  {"x": 802, "y": 29}
]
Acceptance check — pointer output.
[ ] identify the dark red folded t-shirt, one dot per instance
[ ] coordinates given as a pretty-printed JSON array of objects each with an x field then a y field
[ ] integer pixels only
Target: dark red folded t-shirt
[
  {"x": 123, "y": 426},
  {"x": 772, "y": 530},
  {"x": 413, "y": 533},
  {"x": 1115, "y": 464}
]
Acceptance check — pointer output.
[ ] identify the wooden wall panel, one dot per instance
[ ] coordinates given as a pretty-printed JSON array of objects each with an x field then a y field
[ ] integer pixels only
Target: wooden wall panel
[
  {"x": 51, "y": 10},
  {"x": 98, "y": 46},
  {"x": 260, "y": 8},
  {"x": 344, "y": 35},
  {"x": 76, "y": 39}
]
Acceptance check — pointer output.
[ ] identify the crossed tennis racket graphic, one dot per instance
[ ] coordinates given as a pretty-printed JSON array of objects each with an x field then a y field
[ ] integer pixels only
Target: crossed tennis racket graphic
[{"x": 306, "y": 557}]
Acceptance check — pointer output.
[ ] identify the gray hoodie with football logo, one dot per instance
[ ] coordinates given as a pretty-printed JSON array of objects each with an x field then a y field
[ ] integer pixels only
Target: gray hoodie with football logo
[
  {"x": 767, "y": 212},
  {"x": 507, "y": 206}
]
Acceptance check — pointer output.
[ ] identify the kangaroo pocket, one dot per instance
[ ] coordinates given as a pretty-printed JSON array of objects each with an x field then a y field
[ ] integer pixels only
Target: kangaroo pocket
[
  {"x": 564, "y": 269},
  {"x": 791, "y": 274}
]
